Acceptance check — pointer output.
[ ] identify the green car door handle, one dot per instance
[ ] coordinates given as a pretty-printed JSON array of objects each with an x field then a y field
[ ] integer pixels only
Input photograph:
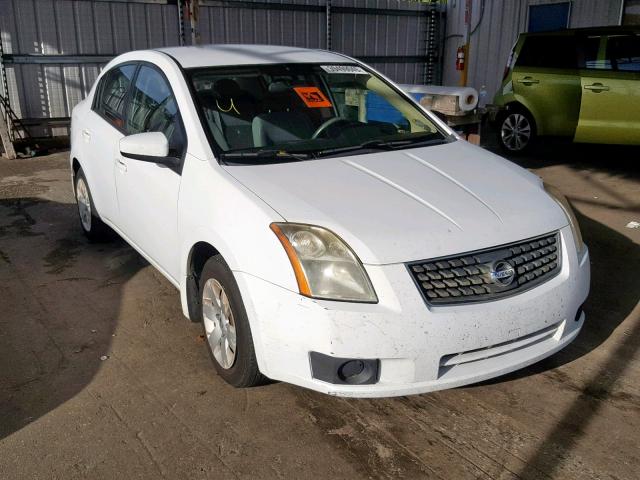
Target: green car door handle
[
  {"x": 597, "y": 87},
  {"x": 528, "y": 80}
]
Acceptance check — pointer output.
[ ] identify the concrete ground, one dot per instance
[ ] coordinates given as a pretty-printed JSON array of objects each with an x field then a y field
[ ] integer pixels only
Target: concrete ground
[{"x": 155, "y": 408}]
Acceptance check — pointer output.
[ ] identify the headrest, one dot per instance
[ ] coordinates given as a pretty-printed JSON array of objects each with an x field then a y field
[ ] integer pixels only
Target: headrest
[
  {"x": 279, "y": 87},
  {"x": 227, "y": 88}
]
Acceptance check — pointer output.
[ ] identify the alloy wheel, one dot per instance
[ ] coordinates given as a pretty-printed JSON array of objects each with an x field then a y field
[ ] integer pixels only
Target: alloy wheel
[
  {"x": 219, "y": 323},
  {"x": 516, "y": 132},
  {"x": 84, "y": 204}
]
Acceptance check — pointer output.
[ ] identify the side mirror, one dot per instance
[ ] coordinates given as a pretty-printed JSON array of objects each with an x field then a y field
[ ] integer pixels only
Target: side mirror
[{"x": 148, "y": 147}]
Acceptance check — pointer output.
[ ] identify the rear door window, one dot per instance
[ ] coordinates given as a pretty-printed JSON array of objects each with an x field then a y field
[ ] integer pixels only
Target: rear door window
[
  {"x": 623, "y": 52},
  {"x": 549, "y": 51},
  {"x": 112, "y": 92},
  {"x": 594, "y": 53}
]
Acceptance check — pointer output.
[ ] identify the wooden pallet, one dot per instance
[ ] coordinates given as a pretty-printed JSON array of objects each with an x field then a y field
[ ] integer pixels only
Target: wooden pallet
[{"x": 7, "y": 144}]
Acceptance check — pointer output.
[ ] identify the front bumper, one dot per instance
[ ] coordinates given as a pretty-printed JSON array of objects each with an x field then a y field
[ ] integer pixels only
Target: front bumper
[{"x": 421, "y": 348}]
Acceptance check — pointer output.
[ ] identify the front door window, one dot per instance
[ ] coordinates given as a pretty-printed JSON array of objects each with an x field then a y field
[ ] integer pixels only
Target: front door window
[{"x": 153, "y": 108}]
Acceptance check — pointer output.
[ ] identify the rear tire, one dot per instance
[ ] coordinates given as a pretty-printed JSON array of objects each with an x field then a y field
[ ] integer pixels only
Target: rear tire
[
  {"x": 92, "y": 226},
  {"x": 516, "y": 131},
  {"x": 226, "y": 327}
]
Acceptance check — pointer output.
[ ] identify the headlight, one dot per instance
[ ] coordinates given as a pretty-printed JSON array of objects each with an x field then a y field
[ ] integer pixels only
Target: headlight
[
  {"x": 325, "y": 267},
  {"x": 571, "y": 216}
]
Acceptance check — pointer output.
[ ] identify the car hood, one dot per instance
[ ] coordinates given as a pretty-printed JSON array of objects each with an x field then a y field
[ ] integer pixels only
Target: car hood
[{"x": 405, "y": 205}]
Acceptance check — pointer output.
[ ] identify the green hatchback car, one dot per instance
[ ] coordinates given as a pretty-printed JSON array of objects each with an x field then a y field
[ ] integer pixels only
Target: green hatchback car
[{"x": 581, "y": 83}]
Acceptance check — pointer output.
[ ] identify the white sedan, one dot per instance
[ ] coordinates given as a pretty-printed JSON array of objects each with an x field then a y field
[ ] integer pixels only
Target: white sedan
[{"x": 325, "y": 229}]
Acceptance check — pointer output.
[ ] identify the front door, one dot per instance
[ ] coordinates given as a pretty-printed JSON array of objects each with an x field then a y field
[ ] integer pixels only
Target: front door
[
  {"x": 148, "y": 192},
  {"x": 610, "y": 81}
]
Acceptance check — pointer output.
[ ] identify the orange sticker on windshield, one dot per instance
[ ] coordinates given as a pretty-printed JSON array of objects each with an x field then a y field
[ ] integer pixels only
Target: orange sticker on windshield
[{"x": 312, "y": 97}]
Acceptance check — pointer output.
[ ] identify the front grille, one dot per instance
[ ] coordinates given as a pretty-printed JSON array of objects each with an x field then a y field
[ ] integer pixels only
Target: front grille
[{"x": 488, "y": 274}]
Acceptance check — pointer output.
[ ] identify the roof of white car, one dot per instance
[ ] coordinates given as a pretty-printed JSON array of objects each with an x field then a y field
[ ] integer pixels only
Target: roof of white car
[{"x": 229, "y": 54}]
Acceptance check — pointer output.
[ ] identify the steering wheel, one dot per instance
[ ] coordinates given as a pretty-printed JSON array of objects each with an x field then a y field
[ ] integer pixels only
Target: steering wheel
[{"x": 332, "y": 121}]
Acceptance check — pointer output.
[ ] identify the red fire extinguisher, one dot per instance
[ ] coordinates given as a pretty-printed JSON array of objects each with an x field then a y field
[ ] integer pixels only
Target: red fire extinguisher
[{"x": 460, "y": 58}]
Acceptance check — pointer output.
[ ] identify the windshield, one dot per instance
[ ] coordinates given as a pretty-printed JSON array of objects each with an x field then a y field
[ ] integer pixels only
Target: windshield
[{"x": 300, "y": 111}]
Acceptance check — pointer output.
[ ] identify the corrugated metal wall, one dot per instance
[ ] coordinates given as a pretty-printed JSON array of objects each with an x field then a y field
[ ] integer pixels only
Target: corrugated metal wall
[
  {"x": 390, "y": 34},
  {"x": 631, "y": 12},
  {"x": 502, "y": 22},
  {"x": 371, "y": 31},
  {"x": 73, "y": 27},
  {"x": 375, "y": 35},
  {"x": 224, "y": 22}
]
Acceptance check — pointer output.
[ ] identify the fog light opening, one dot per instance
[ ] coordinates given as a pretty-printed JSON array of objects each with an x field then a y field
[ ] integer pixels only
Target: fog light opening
[
  {"x": 579, "y": 314},
  {"x": 344, "y": 371},
  {"x": 355, "y": 372}
]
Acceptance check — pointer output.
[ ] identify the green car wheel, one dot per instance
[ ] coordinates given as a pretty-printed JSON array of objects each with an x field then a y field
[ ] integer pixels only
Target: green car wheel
[{"x": 516, "y": 131}]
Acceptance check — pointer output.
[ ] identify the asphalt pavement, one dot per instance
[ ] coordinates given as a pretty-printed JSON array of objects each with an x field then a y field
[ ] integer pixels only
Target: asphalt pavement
[{"x": 102, "y": 377}]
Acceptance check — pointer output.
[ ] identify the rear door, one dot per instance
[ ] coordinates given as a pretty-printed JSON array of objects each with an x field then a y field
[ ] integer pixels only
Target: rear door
[
  {"x": 610, "y": 82},
  {"x": 148, "y": 192},
  {"x": 101, "y": 135},
  {"x": 546, "y": 80}
]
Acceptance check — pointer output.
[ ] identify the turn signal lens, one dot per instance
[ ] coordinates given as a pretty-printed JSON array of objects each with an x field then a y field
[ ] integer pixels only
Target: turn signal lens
[{"x": 325, "y": 267}]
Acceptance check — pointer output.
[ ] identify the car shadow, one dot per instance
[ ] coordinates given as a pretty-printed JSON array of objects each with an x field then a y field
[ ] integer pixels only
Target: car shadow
[
  {"x": 58, "y": 308},
  {"x": 615, "y": 293},
  {"x": 619, "y": 160}
]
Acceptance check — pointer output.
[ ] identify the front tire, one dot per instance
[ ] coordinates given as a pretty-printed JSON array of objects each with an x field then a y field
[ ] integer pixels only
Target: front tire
[
  {"x": 516, "y": 131},
  {"x": 92, "y": 226},
  {"x": 226, "y": 327}
]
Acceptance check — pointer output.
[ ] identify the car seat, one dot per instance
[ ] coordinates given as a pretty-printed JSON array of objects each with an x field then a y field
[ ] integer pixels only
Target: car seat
[
  {"x": 229, "y": 111},
  {"x": 282, "y": 122}
]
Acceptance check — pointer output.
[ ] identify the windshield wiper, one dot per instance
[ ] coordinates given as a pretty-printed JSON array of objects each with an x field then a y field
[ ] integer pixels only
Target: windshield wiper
[
  {"x": 387, "y": 144},
  {"x": 268, "y": 153}
]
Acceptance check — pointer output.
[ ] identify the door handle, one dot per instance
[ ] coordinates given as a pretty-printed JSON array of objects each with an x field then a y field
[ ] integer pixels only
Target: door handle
[
  {"x": 528, "y": 80},
  {"x": 86, "y": 134},
  {"x": 122, "y": 166},
  {"x": 597, "y": 87}
]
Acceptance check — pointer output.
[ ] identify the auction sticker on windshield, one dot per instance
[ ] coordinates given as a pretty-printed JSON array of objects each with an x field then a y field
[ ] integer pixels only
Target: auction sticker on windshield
[
  {"x": 343, "y": 69},
  {"x": 312, "y": 97}
]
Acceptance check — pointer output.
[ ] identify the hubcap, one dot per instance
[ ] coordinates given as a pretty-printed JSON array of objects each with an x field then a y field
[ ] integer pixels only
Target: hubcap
[
  {"x": 84, "y": 204},
  {"x": 219, "y": 324},
  {"x": 516, "y": 131}
]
